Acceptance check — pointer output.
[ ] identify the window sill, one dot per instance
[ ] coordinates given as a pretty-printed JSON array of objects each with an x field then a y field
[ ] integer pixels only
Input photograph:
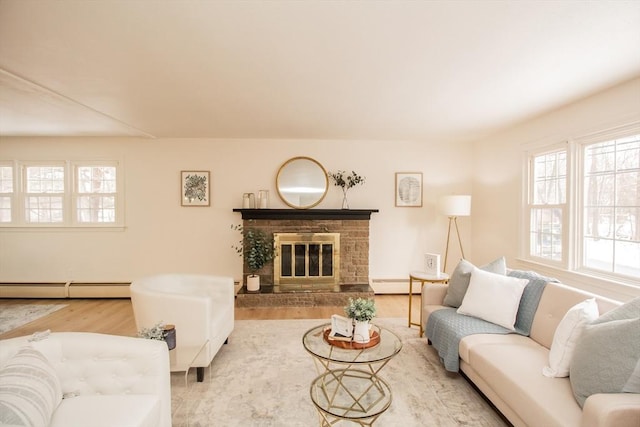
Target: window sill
[
  {"x": 59, "y": 229},
  {"x": 617, "y": 289}
]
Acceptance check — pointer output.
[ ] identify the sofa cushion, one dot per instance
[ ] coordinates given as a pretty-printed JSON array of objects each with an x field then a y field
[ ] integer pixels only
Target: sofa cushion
[
  {"x": 556, "y": 300},
  {"x": 514, "y": 371},
  {"x": 30, "y": 390},
  {"x": 493, "y": 297},
  {"x": 606, "y": 358},
  {"x": 132, "y": 410},
  {"x": 459, "y": 281},
  {"x": 470, "y": 341},
  {"x": 567, "y": 335}
]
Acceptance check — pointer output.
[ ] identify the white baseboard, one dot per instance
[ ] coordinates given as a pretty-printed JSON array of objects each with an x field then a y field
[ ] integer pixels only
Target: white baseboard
[{"x": 393, "y": 286}]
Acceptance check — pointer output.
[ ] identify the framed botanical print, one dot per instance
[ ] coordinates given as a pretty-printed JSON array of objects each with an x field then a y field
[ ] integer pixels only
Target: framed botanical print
[
  {"x": 408, "y": 189},
  {"x": 194, "y": 188}
]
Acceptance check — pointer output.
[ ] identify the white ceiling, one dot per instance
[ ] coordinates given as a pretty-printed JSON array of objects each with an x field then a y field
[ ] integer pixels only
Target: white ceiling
[{"x": 401, "y": 70}]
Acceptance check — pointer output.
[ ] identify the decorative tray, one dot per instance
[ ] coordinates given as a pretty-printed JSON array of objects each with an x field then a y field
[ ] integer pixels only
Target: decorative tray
[{"x": 374, "y": 340}]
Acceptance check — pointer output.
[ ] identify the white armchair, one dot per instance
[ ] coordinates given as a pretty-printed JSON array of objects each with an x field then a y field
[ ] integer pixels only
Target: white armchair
[{"x": 201, "y": 307}]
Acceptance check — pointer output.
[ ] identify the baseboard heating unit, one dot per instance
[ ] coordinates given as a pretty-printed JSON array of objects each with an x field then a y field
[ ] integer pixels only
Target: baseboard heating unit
[{"x": 65, "y": 290}]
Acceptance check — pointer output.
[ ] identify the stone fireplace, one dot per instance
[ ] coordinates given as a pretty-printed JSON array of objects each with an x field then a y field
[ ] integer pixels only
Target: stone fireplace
[{"x": 347, "y": 232}]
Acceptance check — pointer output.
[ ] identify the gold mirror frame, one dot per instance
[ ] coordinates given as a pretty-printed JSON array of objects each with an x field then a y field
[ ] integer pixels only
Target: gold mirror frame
[{"x": 302, "y": 182}]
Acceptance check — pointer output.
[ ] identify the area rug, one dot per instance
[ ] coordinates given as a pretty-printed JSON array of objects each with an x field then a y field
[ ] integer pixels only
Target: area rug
[
  {"x": 14, "y": 316},
  {"x": 262, "y": 378}
]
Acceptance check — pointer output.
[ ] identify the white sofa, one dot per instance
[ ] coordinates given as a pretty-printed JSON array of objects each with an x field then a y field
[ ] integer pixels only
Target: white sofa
[
  {"x": 105, "y": 380},
  {"x": 201, "y": 307},
  {"x": 507, "y": 369}
]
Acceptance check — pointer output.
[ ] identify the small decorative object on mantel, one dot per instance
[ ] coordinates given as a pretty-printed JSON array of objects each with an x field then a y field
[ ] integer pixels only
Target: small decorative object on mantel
[
  {"x": 345, "y": 181},
  {"x": 258, "y": 249},
  {"x": 162, "y": 332},
  {"x": 263, "y": 199},
  {"x": 248, "y": 201},
  {"x": 361, "y": 310}
]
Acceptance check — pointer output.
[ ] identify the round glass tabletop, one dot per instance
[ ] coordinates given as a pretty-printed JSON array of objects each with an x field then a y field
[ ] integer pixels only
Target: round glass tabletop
[{"x": 314, "y": 342}]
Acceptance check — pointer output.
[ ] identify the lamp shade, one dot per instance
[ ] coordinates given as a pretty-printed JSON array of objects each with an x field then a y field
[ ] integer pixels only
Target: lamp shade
[{"x": 455, "y": 205}]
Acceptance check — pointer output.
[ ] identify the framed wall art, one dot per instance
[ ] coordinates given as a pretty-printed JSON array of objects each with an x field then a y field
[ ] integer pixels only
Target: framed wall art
[
  {"x": 194, "y": 188},
  {"x": 408, "y": 189}
]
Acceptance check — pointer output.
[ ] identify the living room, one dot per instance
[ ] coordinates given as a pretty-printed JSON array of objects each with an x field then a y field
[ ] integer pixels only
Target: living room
[{"x": 343, "y": 88}]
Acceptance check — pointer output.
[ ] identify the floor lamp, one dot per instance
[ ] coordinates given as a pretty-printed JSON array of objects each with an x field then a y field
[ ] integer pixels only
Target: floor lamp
[{"x": 453, "y": 207}]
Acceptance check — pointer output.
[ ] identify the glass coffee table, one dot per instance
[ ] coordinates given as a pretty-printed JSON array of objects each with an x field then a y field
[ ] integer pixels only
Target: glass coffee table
[{"x": 348, "y": 386}]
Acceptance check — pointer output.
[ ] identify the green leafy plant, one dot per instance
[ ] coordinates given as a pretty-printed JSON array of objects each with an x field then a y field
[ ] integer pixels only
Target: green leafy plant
[
  {"x": 256, "y": 246},
  {"x": 361, "y": 309},
  {"x": 156, "y": 332},
  {"x": 344, "y": 180}
]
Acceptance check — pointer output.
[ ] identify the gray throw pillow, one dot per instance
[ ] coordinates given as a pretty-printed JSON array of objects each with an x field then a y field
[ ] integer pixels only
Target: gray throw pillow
[
  {"x": 607, "y": 356},
  {"x": 459, "y": 281},
  {"x": 629, "y": 310}
]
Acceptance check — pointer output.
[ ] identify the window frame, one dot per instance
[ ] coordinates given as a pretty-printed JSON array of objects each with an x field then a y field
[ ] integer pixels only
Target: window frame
[
  {"x": 573, "y": 234},
  {"x": 529, "y": 205},
  {"x": 11, "y": 195},
  {"x": 70, "y": 195},
  {"x": 582, "y": 143}
]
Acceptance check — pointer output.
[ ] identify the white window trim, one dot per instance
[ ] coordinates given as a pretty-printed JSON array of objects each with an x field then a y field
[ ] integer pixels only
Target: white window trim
[
  {"x": 19, "y": 222},
  {"x": 578, "y": 144},
  {"x": 596, "y": 280},
  {"x": 525, "y": 214}
]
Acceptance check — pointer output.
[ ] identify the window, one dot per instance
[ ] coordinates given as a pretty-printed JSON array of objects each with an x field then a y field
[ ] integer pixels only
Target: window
[
  {"x": 60, "y": 194},
  {"x": 611, "y": 206},
  {"x": 44, "y": 194},
  {"x": 96, "y": 194},
  {"x": 585, "y": 218},
  {"x": 6, "y": 193},
  {"x": 548, "y": 205}
]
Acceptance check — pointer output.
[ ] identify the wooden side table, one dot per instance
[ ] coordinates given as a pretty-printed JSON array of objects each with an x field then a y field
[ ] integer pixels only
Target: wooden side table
[{"x": 423, "y": 278}]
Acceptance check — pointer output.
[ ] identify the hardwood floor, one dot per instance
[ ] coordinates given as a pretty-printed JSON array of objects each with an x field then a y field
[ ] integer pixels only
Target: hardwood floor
[{"x": 115, "y": 316}]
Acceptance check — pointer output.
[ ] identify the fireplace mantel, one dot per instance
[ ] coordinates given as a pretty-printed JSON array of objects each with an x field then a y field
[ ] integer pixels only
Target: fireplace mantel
[{"x": 307, "y": 214}]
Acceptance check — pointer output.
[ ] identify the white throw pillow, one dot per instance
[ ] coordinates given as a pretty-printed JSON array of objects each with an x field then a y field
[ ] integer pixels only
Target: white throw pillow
[
  {"x": 566, "y": 337},
  {"x": 29, "y": 389},
  {"x": 493, "y": 297}
]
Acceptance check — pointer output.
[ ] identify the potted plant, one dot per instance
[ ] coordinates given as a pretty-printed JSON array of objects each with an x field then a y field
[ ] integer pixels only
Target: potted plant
[
  {"x": 361, "y": 310},
  {"x": 345, "y": 181},
  {"x": 162, "y": 332},
  {"x": 258, "y": 249}
]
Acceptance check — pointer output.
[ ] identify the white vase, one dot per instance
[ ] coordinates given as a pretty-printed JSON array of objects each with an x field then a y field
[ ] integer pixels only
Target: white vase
[
  {"x": 361, "y": 332},
  {"x": 253, "y": 283}
]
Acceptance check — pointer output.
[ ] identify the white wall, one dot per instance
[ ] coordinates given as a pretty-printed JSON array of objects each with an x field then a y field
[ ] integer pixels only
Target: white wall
[
  {"x": 162, "y": 236},
  {"x": 498, "y": 170}
]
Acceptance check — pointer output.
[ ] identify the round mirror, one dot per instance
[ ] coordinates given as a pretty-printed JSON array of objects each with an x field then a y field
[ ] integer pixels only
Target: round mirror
[{"x": 302, "y": 182}]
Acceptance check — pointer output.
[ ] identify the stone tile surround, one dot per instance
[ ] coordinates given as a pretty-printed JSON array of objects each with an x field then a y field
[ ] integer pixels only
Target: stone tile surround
[
  {"x": 354, "y": 236},
  {"x": 353, "y": 226}
]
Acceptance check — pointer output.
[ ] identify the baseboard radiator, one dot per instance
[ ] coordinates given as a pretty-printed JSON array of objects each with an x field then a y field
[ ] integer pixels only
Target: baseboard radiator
[
  {"x": 65, "y": 290},
  {"x": 393, "y": 286}
]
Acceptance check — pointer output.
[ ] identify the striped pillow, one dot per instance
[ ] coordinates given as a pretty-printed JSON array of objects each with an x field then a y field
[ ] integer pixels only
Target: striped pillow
[{"x": 29, "y": 389}]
